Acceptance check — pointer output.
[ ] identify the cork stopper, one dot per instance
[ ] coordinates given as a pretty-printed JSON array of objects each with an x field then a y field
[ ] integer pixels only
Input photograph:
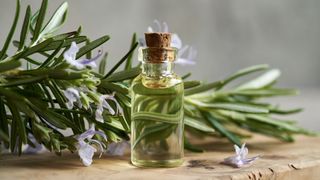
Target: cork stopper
[
  {"x": 159, "y": 39},
  {"x": 158, "y": 47}
]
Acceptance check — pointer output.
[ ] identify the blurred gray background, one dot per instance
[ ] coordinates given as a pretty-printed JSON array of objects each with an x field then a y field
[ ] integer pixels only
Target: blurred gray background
[{"x": 228, "y": 34}]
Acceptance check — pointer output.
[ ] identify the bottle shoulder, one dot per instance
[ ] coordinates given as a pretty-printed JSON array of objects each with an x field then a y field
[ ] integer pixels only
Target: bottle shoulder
[{"x": 158, "y": 82}]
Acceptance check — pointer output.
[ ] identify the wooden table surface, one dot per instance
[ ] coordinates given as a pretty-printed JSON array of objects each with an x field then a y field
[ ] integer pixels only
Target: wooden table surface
[{"x": 299, "y": 160}]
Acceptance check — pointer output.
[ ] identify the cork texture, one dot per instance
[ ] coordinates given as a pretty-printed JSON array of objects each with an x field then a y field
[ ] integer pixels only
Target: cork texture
[
  {"x": 158, "y": 55},
  {"x": 158, "y": 39},
  {"x": 158, "y": 47}
]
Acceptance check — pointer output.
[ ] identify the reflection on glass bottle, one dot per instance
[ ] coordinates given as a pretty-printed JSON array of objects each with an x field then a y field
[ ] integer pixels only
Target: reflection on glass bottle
[{"x": 157, "y": 107}]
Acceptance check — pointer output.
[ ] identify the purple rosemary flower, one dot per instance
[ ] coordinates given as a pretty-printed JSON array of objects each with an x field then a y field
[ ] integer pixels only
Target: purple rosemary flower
[
  {"x": 72, "y": 96},
  {"x": 182, "y": 57},
  {"x": 118, "y": 148},
  {"x": 104, "y": 104},
  {"x": 33, "y": 150},
  {"x": 239, "y": 159},
  {"x": 70, "y": 57},
  {"x": 85, "y": 149}
]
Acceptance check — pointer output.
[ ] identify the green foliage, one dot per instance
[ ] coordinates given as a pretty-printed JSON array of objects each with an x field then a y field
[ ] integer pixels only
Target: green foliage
[{"x": 32, "y": 100}]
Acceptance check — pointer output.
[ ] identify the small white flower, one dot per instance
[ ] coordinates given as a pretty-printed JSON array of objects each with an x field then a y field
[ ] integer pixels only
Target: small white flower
[
  {"x": 85, "y": 149},
  {"x": 189, "y": 59},
  {"x": 159, "y": 27},
  {"x": 86, "y": 153},
  {"x": 70, "y": 57},
  {"x": 239, "y": 159},
  {"x": 176, "y": 42},
  {"x": 72, "y": 96},
  {"x": 104, "y": 104},
  {"x": 118, "y": 149}
]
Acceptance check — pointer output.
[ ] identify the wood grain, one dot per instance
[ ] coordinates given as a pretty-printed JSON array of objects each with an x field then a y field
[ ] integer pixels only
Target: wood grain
[{"x": 294, "y": 161}]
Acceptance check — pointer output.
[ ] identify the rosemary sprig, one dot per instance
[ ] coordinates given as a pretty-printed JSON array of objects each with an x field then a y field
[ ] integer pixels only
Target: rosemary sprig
[{"x": 32, "y": 100}]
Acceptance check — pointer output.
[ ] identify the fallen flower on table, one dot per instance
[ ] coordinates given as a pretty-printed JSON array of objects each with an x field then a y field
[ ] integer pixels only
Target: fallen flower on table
[{"x": 239, "y": 159}]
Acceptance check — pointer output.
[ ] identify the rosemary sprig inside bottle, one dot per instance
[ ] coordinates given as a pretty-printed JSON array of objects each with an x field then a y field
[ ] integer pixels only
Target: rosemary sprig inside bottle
[{"x": 157, "y": 107}]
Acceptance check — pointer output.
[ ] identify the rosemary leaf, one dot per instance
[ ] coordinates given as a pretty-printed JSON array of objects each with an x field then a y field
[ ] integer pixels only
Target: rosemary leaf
[
  {"x": 33, "y": 21},
  {"x": 56, "y": 21},
  {"x": 124, "y": 75},
  {"x": 11, "y": 32},
  {"x": 219, "y": 127},
  {"x": 52, "y": 56},
  {"x": 89, "y": 54},
  {"x": 191, "y": 84},
  {"x": 129, "y": 61},
  {"x": 241, "y": 107},
  {"x": 158, "y": 117},
  {"x": 262, "y": 81},
  {"x": 186, "y": 76},
  {"x": 107, "y": 128},
  {"x": 36, "y": 48},
  {"x": 123, "y": 59},
  {"x": 19, "y": 82},
  {"x": 274, "y": 122},
  {"x": 114, "y": 87},
  {"x": 4, "y": 123},
  {"x": 103, "y": 63},
  {"x": 92, "y": 45},
  {"x": 4, "y": 136},
  {"x": 202, "y": 88},
  {"x": 64, "y": 36},
  {"x": 9, "y": 65},
  {"x": 241, "y": 73},
  {"x": 197, "y": 124},
  {"x": 287, "y": 111},
  {"x": 67, "y": 42},
  {"x": 21, "y": 129},
  {"x": 190, "y": 147},
  {"x": 152, "y": 130},
  {"x": 31, "y": 61},
  {"x": 40, "y": 19},
  {"x": 25, "y": 28},
  {"x": 264, "y": 92}
]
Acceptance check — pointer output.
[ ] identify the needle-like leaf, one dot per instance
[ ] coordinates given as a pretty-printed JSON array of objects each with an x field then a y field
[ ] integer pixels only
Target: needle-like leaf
[
  {"x": 11, "y": 32},
  {"x": 262, "y": 81},
  {"x": 219, "y": 127},
  {"x": 25, "y": 28},
  {"x": 129, "y": 61},
  {"x": 92, "y": 45},
  {"x": 103, "y": 63},
  {"x": 123, "y": 59},
  {"x": 124, "y": 75},
  {"x": 243, "y": 72},
  {"x": 40, "y": 19},
  {"x": 56, "y": 21},
  {"x": 9, "y": 65}
]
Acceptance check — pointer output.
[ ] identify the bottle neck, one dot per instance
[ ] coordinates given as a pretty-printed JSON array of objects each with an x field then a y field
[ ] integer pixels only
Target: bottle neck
[
  {"x": 157, "y": 69},
  {"x": 157, "y": 62}
]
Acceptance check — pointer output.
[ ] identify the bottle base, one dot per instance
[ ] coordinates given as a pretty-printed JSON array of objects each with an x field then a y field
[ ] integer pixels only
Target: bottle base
[{"x": 157, "y": 163}]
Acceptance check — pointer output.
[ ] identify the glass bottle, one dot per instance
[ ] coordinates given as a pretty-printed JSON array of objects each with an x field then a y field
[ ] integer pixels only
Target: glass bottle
[{"x": 157, "y": 107}]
